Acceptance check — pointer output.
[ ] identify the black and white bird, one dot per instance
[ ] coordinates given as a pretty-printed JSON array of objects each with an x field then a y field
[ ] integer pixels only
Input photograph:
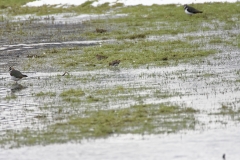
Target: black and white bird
[
  {"x": 190, "y": 10},
  {"x": 15, "y": 74}
]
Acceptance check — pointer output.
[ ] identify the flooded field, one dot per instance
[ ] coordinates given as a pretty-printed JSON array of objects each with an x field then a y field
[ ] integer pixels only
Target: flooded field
[
  {"x": 58, "y": 105},
  {"x": 210, "y": 145}
]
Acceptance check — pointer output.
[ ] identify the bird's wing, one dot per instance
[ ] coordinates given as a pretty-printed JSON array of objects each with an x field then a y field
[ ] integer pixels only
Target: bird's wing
[
  {"x": 16, "y": 74},
  {"x": 193, "y": 10}
]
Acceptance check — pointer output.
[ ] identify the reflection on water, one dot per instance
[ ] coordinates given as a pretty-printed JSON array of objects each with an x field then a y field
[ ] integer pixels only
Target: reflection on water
[
  {"x": 17, "y": 110},
  {"x": 114, "y": 69},
  {"x": 17, "y": 87}
]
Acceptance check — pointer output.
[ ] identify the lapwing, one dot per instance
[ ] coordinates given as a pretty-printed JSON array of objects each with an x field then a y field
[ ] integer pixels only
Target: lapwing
[
  {"x": 114, "y": 63},
  {"x": 190, "y": 10},
  {"x": 15, "y": 74}
]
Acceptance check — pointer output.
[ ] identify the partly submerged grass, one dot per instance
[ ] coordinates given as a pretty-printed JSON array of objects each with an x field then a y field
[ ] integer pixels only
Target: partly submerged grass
[
  {"x": 72, "y": 95},
  {"x": 49, "y": 94},
  {"x": 138, "y": 119},
  {"x": 9, "y": 3},
  {"x": 228, "y": 112},
  {"x": 135, "y": 54},
  {"x": 135, "y": 33},
  {"x": 9, "y": 97},
  {"x": 142, "y": 21},
  {"x": 131, "y": 54},
  {"x": 131, "y": 31},
  {"x": 72, "y": 92},
  {"x": 16, "y": 8}
]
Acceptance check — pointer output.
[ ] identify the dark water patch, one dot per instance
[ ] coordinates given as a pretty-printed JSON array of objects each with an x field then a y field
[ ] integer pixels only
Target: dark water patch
[{"x": 23, "y": 48}]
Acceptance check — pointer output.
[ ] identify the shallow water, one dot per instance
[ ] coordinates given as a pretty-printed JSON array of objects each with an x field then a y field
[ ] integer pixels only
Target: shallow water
[
  {"x": 64, "y": 18},
  {"x": 24, "y": 47},
  {"x": 189, "y": 87},
  {"x": 207, "y": 145}
]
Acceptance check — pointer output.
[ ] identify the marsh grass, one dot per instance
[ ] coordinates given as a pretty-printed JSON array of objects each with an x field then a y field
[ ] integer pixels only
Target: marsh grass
[
  {"x": 41, "y": 94},
  {"x": 9, "y": 97},
  {"x": 138, "y": 119},
  {"x": 167, "y": 19},
  {"x": 8, "y": 3},
  {"x": 72, "y": 95},
  {"x": 227, "y": 111},
  {"x": 131, "y": 54},
  {"x": 15, "y": 8},
  {"x": 72, "y": 92}
]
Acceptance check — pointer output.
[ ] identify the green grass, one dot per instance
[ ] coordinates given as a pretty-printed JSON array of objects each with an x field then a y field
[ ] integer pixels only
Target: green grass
[
  {"x": 138, "y": 119},
  {"x": 166, "y": 19},
  {"x": 131, "y": 32},
  {"x": 72, "y": 95},
  {"x": 131, "y": 54},
  {"x": 9, "y": 3},
  {"x": 72, "y": 92},
  {"x": 238, "y": 41},
  {"x": 9, "y": 97},
  {"x": 17, "y": 9},
  {"x": 135, "y": 54},
  {"x": 143, "y": 22},
  {"x": 227, "y": 111},
  {"x": 50, "y": 94}
]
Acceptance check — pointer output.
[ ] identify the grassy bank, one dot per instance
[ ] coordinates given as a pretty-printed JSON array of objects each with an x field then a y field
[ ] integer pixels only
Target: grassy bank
[{"x": 13, "y": 3}]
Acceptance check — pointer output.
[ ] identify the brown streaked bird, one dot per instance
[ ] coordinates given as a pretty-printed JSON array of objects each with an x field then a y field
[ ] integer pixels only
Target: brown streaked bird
[
  {"x": 114, "y": 63},
  {"x": 190, "y": 10},
  {"x": 100, "y": 57},
  {"x": 99, "y": 30},
  {"x": 15, "y": 74}
]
